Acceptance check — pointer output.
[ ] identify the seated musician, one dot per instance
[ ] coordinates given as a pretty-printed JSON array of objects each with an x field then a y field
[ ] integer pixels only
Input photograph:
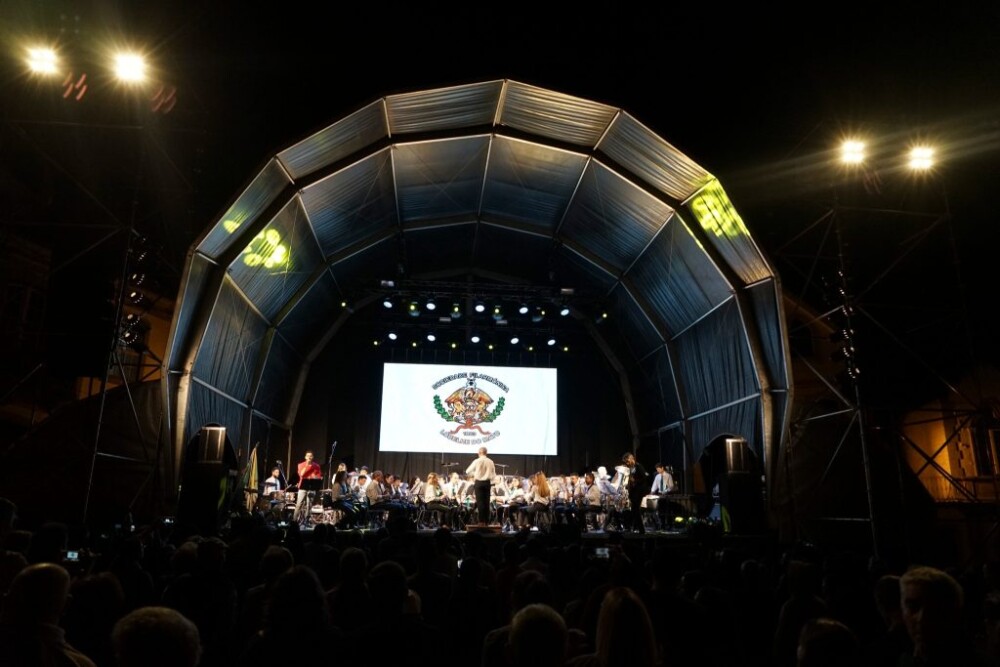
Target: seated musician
[
  {"x": 415, "y": 490},
  {"x": 663, "y": 484},
  {"x": 517, "y": 500},
  {"x": 435, "y": 500},
  {"x": 377, "y": 492},
  {"x": 539, "y": 498},
  {"x": 588, "y": 499},
  {"x": 274, "y": 483},
  {"x": 343, "y": 499}
]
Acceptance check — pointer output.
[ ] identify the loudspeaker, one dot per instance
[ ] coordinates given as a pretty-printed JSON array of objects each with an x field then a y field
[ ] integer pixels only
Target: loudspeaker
[
  {"x": 211, "y": 446},
  {"x": 738, "y": 456},
  {"x": 742, "y": 494},
  {"x": 208, "y": 481}
]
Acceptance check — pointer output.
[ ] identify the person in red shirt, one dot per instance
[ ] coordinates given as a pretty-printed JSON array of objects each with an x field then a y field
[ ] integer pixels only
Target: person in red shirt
[{"x": 308, "y": 470}]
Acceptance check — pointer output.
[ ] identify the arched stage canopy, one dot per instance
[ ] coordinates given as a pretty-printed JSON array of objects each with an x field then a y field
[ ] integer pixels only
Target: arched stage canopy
[{"x": 491, "y": 178}]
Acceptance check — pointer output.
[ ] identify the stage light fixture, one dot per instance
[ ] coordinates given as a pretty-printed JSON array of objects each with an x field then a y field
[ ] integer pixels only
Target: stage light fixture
[
  {"x": 387, "y": 302},
  {"x": 523, "y": 309},
  {"x": 431, "y": 337},
  {"x": 456, "y": 311},
  {"x": 130, "y": 67},
  {"x": 497, "y": 312},
  {"x": 531, "y": 348},
  {"x": 852, "y": 152},
  {"x": 454, "y": 345},
  {"x": 430, "y": 305},
  {"x": 480, "y": 307},
  {"x": 43, "y": 61},
  {"x": 413, "y": 344},
  {"x": 375, "y": 343},
  {"x": 515, "y": 340},
  {"x": 414, "y": 309},
  {"x": 393, "y": 335},
  {"x": 565, "y": 348},
  {"x": 921, "y": 158},
  {"x": 475, "y": 338},
  {"x": 490, "y": 346},
  {"x": 564, "y": 310},
  {"x": 387, "y": 283},
  {"x": 538, "y": 315},
  {"x": 550, "y": 342}
]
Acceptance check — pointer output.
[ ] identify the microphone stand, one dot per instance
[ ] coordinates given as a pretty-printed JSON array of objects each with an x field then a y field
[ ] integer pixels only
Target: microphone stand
[{"x": 329, "y": 465}]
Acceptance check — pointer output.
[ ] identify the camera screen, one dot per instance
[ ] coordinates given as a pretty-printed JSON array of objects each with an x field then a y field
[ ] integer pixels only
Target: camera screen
[
  {"x": 72, "y": 555},
  {"x": 601, "y": 552}
]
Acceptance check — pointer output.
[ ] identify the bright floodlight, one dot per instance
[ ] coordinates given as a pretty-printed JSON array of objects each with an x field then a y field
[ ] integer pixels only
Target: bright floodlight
[
  {"x": 852, "y": 152},
  {"x": 42, "y": 61},
  {"x": 130, "y": 67},
  {"x": 921, "y": 158}
]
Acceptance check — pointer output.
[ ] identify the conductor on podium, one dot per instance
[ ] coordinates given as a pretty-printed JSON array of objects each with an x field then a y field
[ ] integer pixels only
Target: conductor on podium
[{"x": 483, "y": 472}]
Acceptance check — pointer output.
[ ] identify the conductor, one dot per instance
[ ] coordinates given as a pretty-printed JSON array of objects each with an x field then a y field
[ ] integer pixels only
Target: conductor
[{"x": 483, "y": 472}]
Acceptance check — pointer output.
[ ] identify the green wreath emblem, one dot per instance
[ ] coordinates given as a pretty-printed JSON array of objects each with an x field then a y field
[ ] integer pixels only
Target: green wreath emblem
[
  {"x": 441, "y": 410},
  {"x": 490, "y": 416}
]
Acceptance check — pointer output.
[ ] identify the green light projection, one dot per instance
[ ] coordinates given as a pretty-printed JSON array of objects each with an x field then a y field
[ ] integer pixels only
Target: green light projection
[
  {"x": 715, "y": 213},
  {"x": 267, "y": 250}
]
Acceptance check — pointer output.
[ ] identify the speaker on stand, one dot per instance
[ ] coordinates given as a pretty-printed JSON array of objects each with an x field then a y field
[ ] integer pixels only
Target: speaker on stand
[
  {"x": 208, "y": 481},
  {"x": 741, "y": 491}
]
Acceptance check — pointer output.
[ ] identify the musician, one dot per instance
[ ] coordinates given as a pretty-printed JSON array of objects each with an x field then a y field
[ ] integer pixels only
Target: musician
[
  {"x": 636, "y": 488},
  {"x": 434, "y": 500},
  {"x": 455, "y": 488},
  {"x": 308, "y": 470},
  {"x": 588, "y": 499},
  {"x": 274, "y": 483},
  {"x": 539, "y": 499},
  {"x": 663, "y": 483},
  {"x": 482, "y": 472},
  {"x": 343, "y": 500},
  {"x": 415, "y": 489}
]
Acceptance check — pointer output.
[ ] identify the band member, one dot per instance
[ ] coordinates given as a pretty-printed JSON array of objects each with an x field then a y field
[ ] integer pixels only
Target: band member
[
  {"x": 343, "y": 500},
  {"x": 309, "y": 469},
  {"x": 434, "y": 500},
  {"x": 483, "y": 472},
  {"x": 310, "y": 479},
  {"x": 636, "y": 488},
  {"x": 274, "y": 483},
  {"x": 539, "y": 499},
  {"x": 663, "y": 482},
  {"x": 588, "y": 499},
  {"x": 377, "y": 491}
]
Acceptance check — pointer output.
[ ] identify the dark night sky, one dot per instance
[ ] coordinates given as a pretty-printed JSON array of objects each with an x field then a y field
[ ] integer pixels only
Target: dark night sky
[{"x": 755, "y": 95}]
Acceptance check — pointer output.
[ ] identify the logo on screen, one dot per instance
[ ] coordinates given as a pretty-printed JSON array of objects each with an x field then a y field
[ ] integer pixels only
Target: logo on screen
[{"x": 469, "y": 407}]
